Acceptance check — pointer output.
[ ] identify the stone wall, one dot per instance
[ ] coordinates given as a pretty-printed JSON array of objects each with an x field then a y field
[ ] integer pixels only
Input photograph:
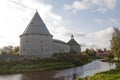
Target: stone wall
[
  {"x": 60, "y": 47},
  {"x": 76, "y": 48},
  {"x": 39, "y": 45}
]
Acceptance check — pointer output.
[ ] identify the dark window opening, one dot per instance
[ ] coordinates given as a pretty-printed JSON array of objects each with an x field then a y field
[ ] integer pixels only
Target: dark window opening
[
  {"x": 41, "y": 41},
  {"x": 41, "y": 49},
  {"x": 23, "y": 49}
]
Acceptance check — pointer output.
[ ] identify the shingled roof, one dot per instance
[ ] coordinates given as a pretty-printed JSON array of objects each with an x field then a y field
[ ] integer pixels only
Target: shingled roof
[{"x": 36, "y": 26}]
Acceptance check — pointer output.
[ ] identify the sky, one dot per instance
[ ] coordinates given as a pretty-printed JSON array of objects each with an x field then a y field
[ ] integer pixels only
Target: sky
[{"x": 90, "y": 21}]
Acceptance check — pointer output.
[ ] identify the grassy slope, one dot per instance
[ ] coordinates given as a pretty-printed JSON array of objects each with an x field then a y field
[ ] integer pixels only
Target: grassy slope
[{"x": 7, "y": 67}]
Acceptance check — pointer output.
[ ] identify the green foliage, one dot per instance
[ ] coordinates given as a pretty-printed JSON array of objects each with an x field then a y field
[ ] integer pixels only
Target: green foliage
[
  {"x": 115, "y": 43},
  {"x": 10, "y": 50},
  {"x": 90, "y": 54},
  {"x": 4, "y": 53},
  {"x": 99, "y": 50},
  {"x": 31, "y": 64},
  {"x": 76, "y": 59},
  {"x": 16, "y": 50},
  {"x": 110, "y": 56}
]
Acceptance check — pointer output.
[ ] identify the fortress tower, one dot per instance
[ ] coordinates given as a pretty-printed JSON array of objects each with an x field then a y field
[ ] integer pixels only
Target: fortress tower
[
  {"x": 36, "y": 39},
  {"x": 74, "y": 46}
]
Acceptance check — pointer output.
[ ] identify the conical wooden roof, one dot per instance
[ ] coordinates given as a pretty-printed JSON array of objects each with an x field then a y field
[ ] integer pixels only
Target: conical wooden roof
[
  {"x": 72, "y": 42},
  {"x": 36, "y": 26}
]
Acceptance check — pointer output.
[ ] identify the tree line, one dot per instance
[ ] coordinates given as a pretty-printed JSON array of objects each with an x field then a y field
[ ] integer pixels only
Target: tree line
[{"x": 9, "y": 50}]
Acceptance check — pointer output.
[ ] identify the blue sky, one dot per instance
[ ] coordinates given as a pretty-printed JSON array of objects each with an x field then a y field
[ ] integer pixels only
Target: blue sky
[
  {"x": 85, "y": 19},
  {"x": 90, "y": 21}
]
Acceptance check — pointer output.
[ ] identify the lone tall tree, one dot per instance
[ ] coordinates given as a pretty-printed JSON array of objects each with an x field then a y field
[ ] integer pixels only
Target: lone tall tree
[{"x": 115, "y": 43}]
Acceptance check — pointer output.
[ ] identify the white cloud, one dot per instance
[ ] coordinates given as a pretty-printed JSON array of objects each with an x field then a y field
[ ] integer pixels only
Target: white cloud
[
  {"x": 102, "y": 38},
  {"x": 16, "y": 14},
  {"x": 105, "y": 5},
  {"x": 79, "y": 6},
  {"x": 114, "y": 21},
  {"x": 67, "y": 7},
  {"x": 102, "y": 34},
  {"x": 10, "y": 21},
  {"x": 98, "y": 5},
  {"x": 110, "y": 4},
  {"x": 76, "y": 6},
  {"x": 69, "y": 33},
  {"x": 88, "y": 45},
  {"x": 99, "y": 20}
]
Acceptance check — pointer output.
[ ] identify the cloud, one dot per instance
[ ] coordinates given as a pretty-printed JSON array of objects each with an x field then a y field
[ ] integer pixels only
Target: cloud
[
  {"x": 99, "y": 20},
  {"x": 102, "y": 34},
  {"x": 76, "y": 6},
  {"x": 98, "y": 5},
  {"x": 16, "y": 14},
  {"x": 79, "y": 5},
  {"x": 67, "y": 7},
  {"x": 88, "y": 45},
  {"x": 102, "y": 38},
  {"x": 69, "y": 33},
  {"x": 114, "y": 21}
]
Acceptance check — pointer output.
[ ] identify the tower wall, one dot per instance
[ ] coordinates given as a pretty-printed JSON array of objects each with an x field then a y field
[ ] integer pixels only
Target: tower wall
[
  {"x": 36, "y": 45},
  {"x": 76, "y": 48}
]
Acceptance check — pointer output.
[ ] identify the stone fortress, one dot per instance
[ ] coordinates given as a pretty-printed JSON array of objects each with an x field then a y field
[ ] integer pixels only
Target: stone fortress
[{"x": 36, "y": 40}]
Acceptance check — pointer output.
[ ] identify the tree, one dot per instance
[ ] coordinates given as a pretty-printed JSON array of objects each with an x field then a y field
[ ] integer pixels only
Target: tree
[
  {"x": 4, "y": 53},
  {"x": 16, "y": 50},
  {"x": 110, "y": 54},
  {"x": 90, "y": 52},
  {"x": 93, "y": 52},
  {"x": 115, "y": 43},
  {"x": 7, "y": 50},
  {"x": 105, "y": 49},
  {"x": 87, "y": 50},
  {"x": 99, "y": 50}
]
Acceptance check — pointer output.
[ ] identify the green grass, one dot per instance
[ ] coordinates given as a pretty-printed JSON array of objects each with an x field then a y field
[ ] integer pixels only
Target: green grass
[{"x": 7, "y": 67}]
